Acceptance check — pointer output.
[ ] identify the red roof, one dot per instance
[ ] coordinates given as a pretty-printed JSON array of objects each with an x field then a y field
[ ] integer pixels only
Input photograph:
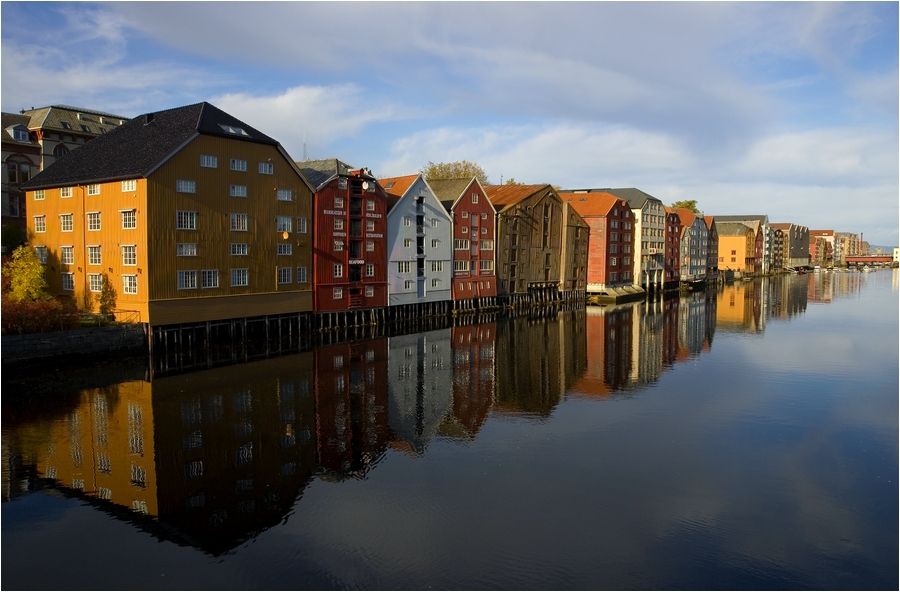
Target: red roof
[
  {"x": 687, "y": 217},
  {"x": 595, "y": 203},
  {"x": 504, "y": 195},
  {"x": 397, "y": 186}
]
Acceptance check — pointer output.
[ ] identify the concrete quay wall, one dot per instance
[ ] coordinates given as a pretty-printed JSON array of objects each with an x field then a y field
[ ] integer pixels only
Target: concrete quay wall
[{"x": 104, "y": 342}]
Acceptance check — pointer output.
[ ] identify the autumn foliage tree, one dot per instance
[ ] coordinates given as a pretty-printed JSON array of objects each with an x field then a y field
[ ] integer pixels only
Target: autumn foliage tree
[
  {"x": 461, "y": 169},
  {"x": 24, "y": 276},
  {"x": 27, "y": 308},
  {"x": 688, "y": 204}
]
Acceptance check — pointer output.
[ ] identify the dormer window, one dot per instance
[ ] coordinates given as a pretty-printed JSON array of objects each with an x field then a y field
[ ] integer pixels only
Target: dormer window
[
  {"x": 230, "y": 129},
  {"x": 66, "y": 125},
  {"x": 19, "y": 133}
]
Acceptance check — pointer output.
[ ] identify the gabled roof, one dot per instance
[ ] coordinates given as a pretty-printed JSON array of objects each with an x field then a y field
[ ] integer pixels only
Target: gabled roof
[
  {"x": 732, "y": 229},
  {"x": 448, "y": 191},
  {"x": 140, "y": 145},
  {"x": 319, "y": 172},
  {"x": 710, "y": 222},
  {"x": 58, "y": 117},
  {"x": 595, "y": 203},
  {"x": 11, "y": 120},
  {"x": 396, "y": 187},
  {"x": 635, "y": 197},
  {"x": 686, "y": 216},
  {"x": 761, "y": 218},
  {"x": 505, "y": 196}
]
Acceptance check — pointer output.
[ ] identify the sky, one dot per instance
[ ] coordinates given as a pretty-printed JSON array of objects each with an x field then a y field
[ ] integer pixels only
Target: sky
[{"x": 784, "y": 109}]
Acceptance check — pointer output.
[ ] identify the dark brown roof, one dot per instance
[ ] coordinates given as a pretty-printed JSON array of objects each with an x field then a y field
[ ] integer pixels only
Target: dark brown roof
[
  {"x": 506, "y": 195},
  {"x": 139, "y": 145}
]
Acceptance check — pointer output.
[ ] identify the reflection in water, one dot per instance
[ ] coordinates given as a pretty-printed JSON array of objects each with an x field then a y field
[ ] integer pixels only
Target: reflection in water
[{"x": 212, "y": 458}]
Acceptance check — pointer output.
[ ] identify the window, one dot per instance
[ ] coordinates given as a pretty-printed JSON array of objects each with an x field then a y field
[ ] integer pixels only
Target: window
[
  {"x": 283, "y": 223},
  {"x": 184, "y": 186},
  {"x": 60, "y": 150},
  {"x": 238, "y": 165},
  {"x": 460, "y": 244},
  {"x": 209, "y": 278},
  {"x": 734, "y": 252},
  {"x": 284, "y": 275},
  {"x": 403, "y": 267},
  {"x": 187, "y": 280},
  {"x": 370, "y": 225},
  {"x": 65, "y": 222},
  {"x": 465, "y": 214},
  {"x": 93, "y": 189},
  {"x": 68, "y": 282},
  {"x": 487, "y": 265},
  {"x": 94, "y": 255},
  {"x": 129, "y": 185},
  {"x": 240, "y": 222},
  {"x": 435, "y": 283},
  {"x": 20, "y": 134},
  {"x": 461, "y": 265},
  {"x": 613, "y": 248},
  {"x": 370, "y": 293},
  {"x": 434, "y": 222},
  {"x": 186, "y": 249},
  {"x": 301, "y": 225},
  {"x": 626, "y": 249},
  {"x": 67, "y": 255},
  {"x": 338, "y": 293},
  {"x": 338, "y": 270},
  {"x": 434, "y": 243},
  {"x": 407, "y": 285},
  {"x": 613, "y": 276},
  {"x": 230, "y": 129},
  {"x": 40, "y": 224},
  {"x": 39, "y": 195},
  {"x": 301, "y": 275},
  {"x": 338, "y": 223},
  {"x": 370, "y": 246},
  {"x": 285, "y": 249},
  {"x": 65, "y": 192},
  {"x": 437, "y": 266},
  {"x": 95, "y": 282},
  {"x": 338, "y": 202},
  {"x": 338, "y": 245},
  {"x": 129, "y": 254},
  {"x": 474, "y": 198},
  {"x": 370, "y": 205},
  {"x": 484, "y": 230},
  {"x": 239, "y": 249},
  {"x": 612, "y": 261},
  {"x": 129, "y": 284},
  {"x": 240, "y": 277},
  {"x": 41, "y": 254},
  {"x": 238, "y": 191},
  {"x": 407, "y": 243},
  {"x": 284, "y": 195},
  {"x": 185, "y": 220},
  {"x": 208, "y": 161},
  {"x": 266, "y": 168},
  {"x": 370, "y": 270},
  {"x": 129, "y": 219},
  {"x": 406, "y": 221},
  {"x": 464, "y": 230}
]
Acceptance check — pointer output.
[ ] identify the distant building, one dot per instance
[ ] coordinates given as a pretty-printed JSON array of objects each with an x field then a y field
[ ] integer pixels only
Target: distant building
[
  {"x": 694, "y": 245},
  {"x": 760, "y": 223},
  {"x": 822, "y": 247},
  {"x": 737, "y": 247},
  {"x": 673, "y": 259},
  {"x": 795, "y": 244},
  {"x": 712, "y": 249}
]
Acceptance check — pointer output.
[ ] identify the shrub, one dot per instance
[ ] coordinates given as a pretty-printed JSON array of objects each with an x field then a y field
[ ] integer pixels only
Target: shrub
[{"x": 39, "y": 316}]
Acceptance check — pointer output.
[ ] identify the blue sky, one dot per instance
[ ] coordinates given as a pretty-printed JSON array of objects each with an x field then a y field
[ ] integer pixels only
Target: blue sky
[{"x": 787, "y": 109}]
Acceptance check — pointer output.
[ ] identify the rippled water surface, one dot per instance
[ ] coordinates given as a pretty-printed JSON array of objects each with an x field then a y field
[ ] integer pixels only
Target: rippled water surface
[{"x": 743, "y": 438}]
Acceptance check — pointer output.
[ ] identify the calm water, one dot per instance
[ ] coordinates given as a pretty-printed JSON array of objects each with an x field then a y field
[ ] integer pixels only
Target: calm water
[{"x": 740, "y": 439}]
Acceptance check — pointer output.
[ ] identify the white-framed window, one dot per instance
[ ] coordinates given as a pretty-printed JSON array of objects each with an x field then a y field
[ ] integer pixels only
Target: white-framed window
[
  {"x": 301, "y": 225},
  {"x": 238, "y": 164},
  {"x": 187, "y": 280},
  {"x": 487, "y": 245},
  {"x": 434, "y": 243},
  {"x": 407, "y": 285},
  {"x": 240, "y": 277},
  {"x": 208, "y": 161},
  {"x": 240, "y": 249},
  {"x": 474, "y": 198},
  {"x": 338, "y": 202},
  {"x": 435, "y": 283},
  {"x": 65, "y": 222},
  {"x": 407, "y": 220},
  {"x": 464, "y": 229},
  {"x": 285, "y": 249},
  {"x": 284, "y": 195},
  {"x": 403, "y": 267},
  {"x": 93, "y": 189},
  {"x": 284, "y": 275},
  {"x": 486, "y": 265},
  {"x": 129, "y": 284},
  {"x": 370, "y": 246},
  {"x": 370, "y": 225},
  {"x": 613, "y": 223},
  {"x": 39, "y": 195},
  {"x": 283, "y": 223},
  {"x": 240, "y": 222},
  {"x": 40, "y": 224},
  {"x": 93, "y": 220},
  {"x": 407, "y": 243},
  {"x": 484, "y": 230},
  {"x": 68, "y": 281},
  {"x": 209, "y": 278},
  {"x": 130, "y": 185},
  {"x": 67, "y": 255},
  {"x": 460, "y": 244},
  {"x": 301, "y": 275},
  {"x": 266, "y": 168},
  {"x": 484, "y": 215},
  {"x": 370, "y": 270},
  {"x": 612, "y": 261},
  {"x": 338, "y": 223},
  {"x": 437, "y": 266},
  {"x": 185, "y": 220},
  {"x": 338, "y": 270},
  {"x": 237, "y": 190},
  {"x": 129, "y": 219},
  {"x": 65, "y": 192},
  {"x": 370, "y": 293},
  {"x": 465, "y": 214},
  {"x": 95, "y": 255},
  {"x": 338, "y": 293},
  {"x": 95, "y": 282},
  {"x": 186, "y": 249},
  {"x": 185, "y": 186},
  {"x": 370, "y": 205},
  {"x": 338, "y": 245},
  {"x": 41, "y": 254},
  {"x": 461, "y": 265},
  {"x": 434, "y": 222},
  {"x": 342, "y": 183},
  {"x": 129, "y": 254}
]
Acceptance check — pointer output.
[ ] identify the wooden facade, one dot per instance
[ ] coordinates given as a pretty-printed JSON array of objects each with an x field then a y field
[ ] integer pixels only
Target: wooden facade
[
  {"x": 672, "y": 260},
  {"x": 611, "y": 245},
  {"x": 574, "y": 255}
]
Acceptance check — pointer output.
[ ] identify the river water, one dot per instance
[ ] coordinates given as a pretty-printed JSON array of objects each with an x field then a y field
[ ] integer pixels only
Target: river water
[{"x": 742, "y": 438}]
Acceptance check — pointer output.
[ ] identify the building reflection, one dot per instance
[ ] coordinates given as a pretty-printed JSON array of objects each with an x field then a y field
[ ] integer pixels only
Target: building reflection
[
  {"x": 789, "y": 297},
  {"x": 609, "y": 356},
  {"x": 740, "y": 307},
  {"x": 474, "y": 357}
]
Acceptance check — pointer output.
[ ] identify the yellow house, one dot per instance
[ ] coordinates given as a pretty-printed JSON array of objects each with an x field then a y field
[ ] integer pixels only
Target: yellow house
[
  {"x": 737, "y": 247},
  {"x": 189, "y": 213}
]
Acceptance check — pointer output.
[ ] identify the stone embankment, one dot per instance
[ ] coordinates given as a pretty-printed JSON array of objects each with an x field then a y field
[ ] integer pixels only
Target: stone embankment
[{"x": 88, "y": 344}]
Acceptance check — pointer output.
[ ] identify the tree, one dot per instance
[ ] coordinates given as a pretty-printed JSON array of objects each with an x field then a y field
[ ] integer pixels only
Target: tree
[
  {"x": 24, "y": 272},
  {"x": 461, "y": 169},
  {"x": 108, "y": 297},
  {"x": 512, "y": 181},
  {"x": 688, "y": 204}
]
